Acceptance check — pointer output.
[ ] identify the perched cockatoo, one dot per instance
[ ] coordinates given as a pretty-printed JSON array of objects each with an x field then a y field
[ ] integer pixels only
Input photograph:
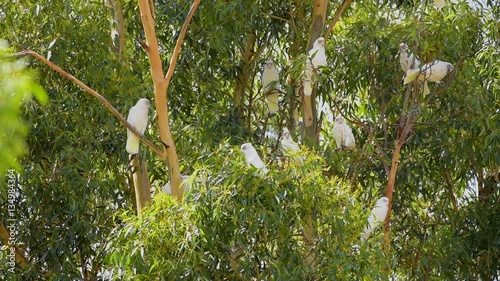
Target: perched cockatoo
[
  {"x": 376, "y": 218},
  {"x": 288, "y": 145},
  {"x": 439, "y": 3},
  {"x": 270, "y": 76},
  {"x": 429, "y": 72},
  {"x": 342, "y": 134},
  {"x": 315, "y": 60},
  {"x": 252, "y": 157},
  {"x": 287, "y": 142},
  {"x": 406, "y": 58},
  {"x": 167, "y": 188},
  {"x": 137, "y": 117}
]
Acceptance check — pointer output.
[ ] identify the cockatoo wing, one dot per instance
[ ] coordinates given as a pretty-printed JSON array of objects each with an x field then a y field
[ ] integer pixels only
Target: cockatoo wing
[
  {"x": 376, "y": 217},
  {"x": 437, "y": 71},
  {"x": 252, "y": 157},
  {"x": 268, "y": 77},
  {"x": 337, "y": 135},
  {"x": 137, "y": 117},
  {"x": 317, "y": 54},
  {"x": 349, "y": 141},
  {"x": 290, "y": 148},
  {"x": 411, "y": 75},
  {"x": 290, "y": 145},
  {"x": 407, "y": 60},
  {"x": 256, "y": 161}
]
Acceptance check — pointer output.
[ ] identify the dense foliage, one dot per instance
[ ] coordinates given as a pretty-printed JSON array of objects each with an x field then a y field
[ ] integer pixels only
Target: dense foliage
[{"x": 76, "y": 214}]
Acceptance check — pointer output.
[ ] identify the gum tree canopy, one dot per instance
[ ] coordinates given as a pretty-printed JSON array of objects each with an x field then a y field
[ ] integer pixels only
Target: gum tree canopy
[{"x": 82, "y": 208}]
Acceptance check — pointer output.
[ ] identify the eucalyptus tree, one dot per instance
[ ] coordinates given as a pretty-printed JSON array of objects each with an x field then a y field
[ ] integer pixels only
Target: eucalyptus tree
[{"x": 76, "y": 204}]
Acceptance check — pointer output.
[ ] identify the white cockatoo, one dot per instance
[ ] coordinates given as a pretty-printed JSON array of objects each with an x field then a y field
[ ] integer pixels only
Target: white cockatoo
[
  {"x": 439, "y": 3},
  {"x": 137, "y": 117},
  {"x": 252, "y": 157},
  {"x": 287, "y": 142},
  {"x": 406, "y": 58},
  {"x": 270, "y": 79},
  {"x": 430, "y": 72},
  {"x": 342, "y": 134},
  {"x": 376, "y": 218},
  {"x": 167, "y": 188},
  {"x": 315, "y": 60},
  {"x": 289, "y": 145}
]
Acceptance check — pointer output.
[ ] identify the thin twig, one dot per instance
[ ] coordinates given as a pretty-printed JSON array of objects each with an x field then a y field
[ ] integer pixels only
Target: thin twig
[
  {"x": 337, "y": 16},
  {"x": 178, "y": 44},
  {"x": 89, "y": 90}
]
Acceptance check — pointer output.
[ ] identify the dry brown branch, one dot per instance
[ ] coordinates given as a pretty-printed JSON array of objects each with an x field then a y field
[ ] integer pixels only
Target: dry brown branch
[
  {"x": 19, "y": 253},
  {"x": 5, "y": 235},
  {"x": 89, "y": 90}
]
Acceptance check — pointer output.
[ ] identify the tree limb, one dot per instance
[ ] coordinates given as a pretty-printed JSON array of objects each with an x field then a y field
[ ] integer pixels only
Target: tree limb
[
  {"x": 337, "y": 16},
  {"x": 89, "y": 90}
]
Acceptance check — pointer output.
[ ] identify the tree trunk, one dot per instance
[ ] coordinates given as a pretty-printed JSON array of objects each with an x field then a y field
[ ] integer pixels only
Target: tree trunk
[
  {"x": 161, "y": 86},
  {"x": 308, "y": 102},
  {"x": 118, "y": 43},
  {"x": 141, "y": 183},
  {"x": 310, "y": 124},
  {"x": 244, "y": 73}
]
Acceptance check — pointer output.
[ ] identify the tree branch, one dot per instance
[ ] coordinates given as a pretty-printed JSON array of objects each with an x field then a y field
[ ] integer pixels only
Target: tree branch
[
  {"x": 337, "y": 16},
  {"x": 379, "y": 148},
  {"x": 5, "y": 235},
  {"x": 89, "y": 90},
  {"x": 178, "y": 44},
  {"x": 449, "y": 187},
  {"x": 161, "y": 87}
]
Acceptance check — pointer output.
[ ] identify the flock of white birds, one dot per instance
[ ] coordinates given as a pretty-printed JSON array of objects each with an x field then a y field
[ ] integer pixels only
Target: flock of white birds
[{"x": 342, "y": 133}]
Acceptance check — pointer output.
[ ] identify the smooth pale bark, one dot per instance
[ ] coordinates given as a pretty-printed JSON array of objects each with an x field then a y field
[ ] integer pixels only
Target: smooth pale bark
[
  {"x": 310, "y": 122},
  {"x": 161, "y": 84},
  {"x": 141, "y": 183}
]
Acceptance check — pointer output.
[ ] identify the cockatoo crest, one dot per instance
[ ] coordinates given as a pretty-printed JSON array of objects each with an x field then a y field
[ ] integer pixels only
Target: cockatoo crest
[
  {"x": 286, "y": 134},
  {"x": 339, "y": 119},
  {"x": 269, "y": 64}
]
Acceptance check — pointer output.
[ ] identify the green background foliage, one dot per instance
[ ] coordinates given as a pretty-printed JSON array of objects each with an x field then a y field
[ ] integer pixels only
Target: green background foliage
[{"x": 76, "y": 209}]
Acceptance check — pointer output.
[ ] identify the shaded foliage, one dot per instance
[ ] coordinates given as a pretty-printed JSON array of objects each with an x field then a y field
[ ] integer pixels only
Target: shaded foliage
[{"x": 75, "y": 184}]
